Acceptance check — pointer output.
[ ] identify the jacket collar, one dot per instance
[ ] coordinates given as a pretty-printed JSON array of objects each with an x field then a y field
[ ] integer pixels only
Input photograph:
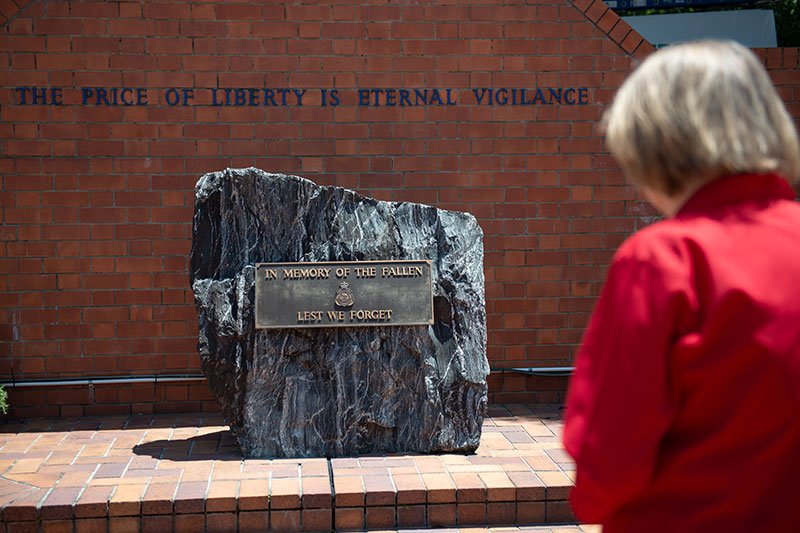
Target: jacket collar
[{"x": 737, "y": 189}]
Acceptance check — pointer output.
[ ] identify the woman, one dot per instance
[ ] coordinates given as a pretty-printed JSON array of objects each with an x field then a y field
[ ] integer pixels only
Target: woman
[{"x": 684, "y": 411}]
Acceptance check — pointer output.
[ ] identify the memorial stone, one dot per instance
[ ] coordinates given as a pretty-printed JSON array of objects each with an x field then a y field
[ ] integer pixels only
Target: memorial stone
[{"x": 367, "y": 385}]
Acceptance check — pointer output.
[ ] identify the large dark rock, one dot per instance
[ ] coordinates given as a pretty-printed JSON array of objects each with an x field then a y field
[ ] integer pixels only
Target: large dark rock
[{"x": 337, "y": 391}]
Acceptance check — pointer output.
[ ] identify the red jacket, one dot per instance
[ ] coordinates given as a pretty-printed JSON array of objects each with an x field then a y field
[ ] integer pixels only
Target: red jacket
[{"x": 683, "y": 414}]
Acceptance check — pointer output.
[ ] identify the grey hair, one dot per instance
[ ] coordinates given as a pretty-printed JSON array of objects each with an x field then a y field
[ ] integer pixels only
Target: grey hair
[{"x": 698, "y": 111}]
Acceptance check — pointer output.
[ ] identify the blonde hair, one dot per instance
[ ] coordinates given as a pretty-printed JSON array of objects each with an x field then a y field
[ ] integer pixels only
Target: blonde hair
[{"x": 698, "y": 111}]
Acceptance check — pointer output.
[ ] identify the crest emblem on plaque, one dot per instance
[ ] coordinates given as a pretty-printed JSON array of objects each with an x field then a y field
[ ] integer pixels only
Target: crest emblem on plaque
[{"x": 344, "y": 296}]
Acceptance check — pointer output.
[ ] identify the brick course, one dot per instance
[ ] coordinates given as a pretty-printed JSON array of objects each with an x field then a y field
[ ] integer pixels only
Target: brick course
[{"x": 97, "y": 199}]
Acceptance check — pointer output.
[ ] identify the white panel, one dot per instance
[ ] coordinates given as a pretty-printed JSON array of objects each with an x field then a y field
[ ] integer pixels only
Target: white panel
[{"x": 752, "y": 27}]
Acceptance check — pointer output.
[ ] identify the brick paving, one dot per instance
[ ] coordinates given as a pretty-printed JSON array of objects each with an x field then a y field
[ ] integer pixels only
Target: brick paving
[
  {"x": 184, "y": 472},
  {"x": 560, "y": 528}
]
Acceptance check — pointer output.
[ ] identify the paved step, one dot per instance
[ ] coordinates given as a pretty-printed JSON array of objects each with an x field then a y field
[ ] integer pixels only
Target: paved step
[
  {"x": 554, "y": 528},
  {"x": 183, "y": 472}
]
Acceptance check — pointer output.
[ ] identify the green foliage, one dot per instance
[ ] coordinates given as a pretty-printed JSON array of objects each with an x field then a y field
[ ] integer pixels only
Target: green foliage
[
  {"x": 787, "y": 16},
  {"x": 787, "y": 21},
  {"x": 3, "y": 400}
]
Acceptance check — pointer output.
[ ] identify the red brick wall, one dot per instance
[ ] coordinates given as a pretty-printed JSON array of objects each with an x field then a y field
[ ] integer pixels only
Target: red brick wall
[{"x": 97, "y": 200}]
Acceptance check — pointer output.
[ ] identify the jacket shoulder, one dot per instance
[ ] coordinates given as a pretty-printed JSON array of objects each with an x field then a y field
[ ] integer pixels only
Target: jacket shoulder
[{"x": 664, "y": 238}]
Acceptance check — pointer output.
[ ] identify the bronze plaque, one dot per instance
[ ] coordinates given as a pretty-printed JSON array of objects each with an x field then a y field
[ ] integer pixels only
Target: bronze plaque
[{"x": 343, "y": 294}]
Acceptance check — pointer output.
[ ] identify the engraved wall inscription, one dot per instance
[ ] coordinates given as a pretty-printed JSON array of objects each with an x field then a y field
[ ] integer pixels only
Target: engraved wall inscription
[{"x": 343, "y": 294}]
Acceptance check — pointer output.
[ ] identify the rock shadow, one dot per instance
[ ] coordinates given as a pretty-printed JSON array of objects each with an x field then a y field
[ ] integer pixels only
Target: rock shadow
[{"x": 219, "y": 446}]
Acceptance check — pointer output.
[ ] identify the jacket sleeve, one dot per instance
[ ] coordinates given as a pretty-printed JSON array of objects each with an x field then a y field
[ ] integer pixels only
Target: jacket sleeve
[{"x": 622, "y": 395}]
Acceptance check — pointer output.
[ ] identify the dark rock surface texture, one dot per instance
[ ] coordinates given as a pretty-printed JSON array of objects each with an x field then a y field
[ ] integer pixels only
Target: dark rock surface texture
[{"x": 329, "y": 392}]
